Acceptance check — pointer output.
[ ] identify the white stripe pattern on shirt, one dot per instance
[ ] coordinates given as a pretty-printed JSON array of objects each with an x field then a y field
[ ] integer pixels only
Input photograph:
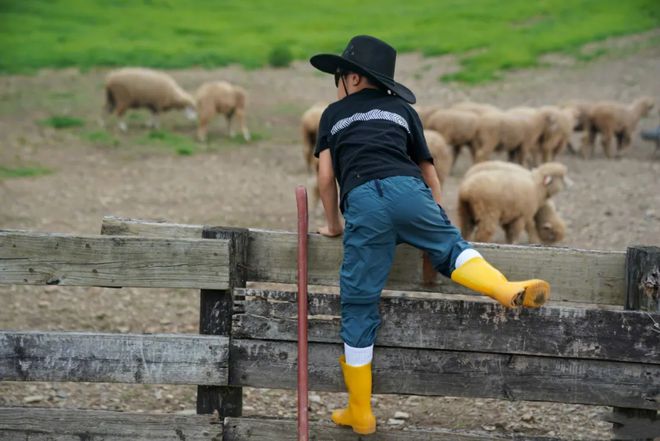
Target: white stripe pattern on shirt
[{"x": 368, "y": 116}]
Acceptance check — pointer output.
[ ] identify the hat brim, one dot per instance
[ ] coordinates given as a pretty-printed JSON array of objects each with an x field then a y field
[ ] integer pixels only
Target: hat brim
[{"x": 329, "y": 63}]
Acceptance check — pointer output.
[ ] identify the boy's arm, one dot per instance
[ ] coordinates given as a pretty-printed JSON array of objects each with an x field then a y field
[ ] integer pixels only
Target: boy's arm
[
  {"x": 329, "y": 196},
  {"x": 431, "y": 178}
]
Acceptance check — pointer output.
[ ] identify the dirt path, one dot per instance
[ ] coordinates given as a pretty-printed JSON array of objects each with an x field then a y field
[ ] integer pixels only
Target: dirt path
[{"x": 614, "y": 203}]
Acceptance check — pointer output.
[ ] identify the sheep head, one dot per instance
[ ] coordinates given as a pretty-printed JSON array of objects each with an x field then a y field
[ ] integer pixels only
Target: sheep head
[
  {"x": 643, "y": 106},
  {"x": 552, "y": 177}
]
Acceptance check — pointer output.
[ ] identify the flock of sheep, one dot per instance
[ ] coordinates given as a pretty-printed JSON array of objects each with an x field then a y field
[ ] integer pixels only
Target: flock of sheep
[
  {"x": 514, "y": 195},
  {"x": 133, "y": 87}
]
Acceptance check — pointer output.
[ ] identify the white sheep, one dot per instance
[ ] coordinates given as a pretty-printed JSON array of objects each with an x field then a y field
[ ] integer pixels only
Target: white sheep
[
  {"x": 136, "y": 87},
  {"x": 223, "y": 98},
  {"x": 557, "y": 133},
  {"x": 441, "y": 152},
  {"x": 495, "y": 195},
  {"x": 458, "y": 127},
  {"x": 309, "y": 124}
]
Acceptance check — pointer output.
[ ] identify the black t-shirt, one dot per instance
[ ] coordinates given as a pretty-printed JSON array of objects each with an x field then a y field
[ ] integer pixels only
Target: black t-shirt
[{"x": 371, "y": 135}]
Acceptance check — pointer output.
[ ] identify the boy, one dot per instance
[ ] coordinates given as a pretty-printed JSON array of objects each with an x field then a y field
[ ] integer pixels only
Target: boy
[{"x": 371, "y": 142}]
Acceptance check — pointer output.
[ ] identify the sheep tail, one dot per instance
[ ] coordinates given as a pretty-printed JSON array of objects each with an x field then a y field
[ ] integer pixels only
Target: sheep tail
[{"x": 110, "y": 101}]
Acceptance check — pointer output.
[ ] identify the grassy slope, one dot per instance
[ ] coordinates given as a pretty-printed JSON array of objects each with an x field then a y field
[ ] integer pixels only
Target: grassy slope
[{"x": 177, "y": 33}]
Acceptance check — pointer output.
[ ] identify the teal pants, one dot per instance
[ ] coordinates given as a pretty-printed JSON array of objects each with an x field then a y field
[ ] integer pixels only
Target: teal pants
[{"x": 379, "y": 215}]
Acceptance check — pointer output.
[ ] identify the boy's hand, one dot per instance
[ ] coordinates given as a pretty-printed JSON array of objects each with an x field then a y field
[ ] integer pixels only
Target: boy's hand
[{"x": 328, "y": 232}]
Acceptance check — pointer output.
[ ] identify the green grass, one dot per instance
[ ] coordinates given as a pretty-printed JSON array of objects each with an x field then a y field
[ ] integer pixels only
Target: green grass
[
  {"x": 62, "y": 122},
  {"x": 489, "y": 36},
  {"x": 102, "y": 138},
  {"x": 22, "y": 172},
  {"x": 179, "y": 144}
]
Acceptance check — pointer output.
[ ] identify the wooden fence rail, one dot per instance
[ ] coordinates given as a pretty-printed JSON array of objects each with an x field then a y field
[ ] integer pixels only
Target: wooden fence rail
[
  {"x": 581, "y": 276},
  {"x": 113, "y": 358}
]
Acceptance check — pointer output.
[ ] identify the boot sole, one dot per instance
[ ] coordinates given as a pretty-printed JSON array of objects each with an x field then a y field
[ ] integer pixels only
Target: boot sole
[{"x": 534, "y": 295}]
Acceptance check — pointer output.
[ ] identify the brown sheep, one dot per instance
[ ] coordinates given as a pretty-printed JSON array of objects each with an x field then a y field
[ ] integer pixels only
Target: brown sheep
[
  {"x": 441, "y": 152},
  {"x": 135, "y": 87},
  {"x": 458, "y": 127},
  {"x": 535, "y": 125},
  {"x": 489, "y": 198},
  {"x": 309, "y": 123},
  {"x": 549, "y": 226},
  {"x": 558, "y": 130},
  {"x": 615, "y": 119},
  {"x": 224, "y": 98},
  {"x": 424, "y": 112}
]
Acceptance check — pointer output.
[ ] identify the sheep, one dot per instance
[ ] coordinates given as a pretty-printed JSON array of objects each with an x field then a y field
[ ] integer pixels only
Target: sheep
[
  {"x": 135, "y": 87},
  {"x": 424, "y": 112},
  {"x": 478, "y": 108},
  {"x": 224, "y": 98},
  {"x": 458, "y": 127},
  {"x": 549, "y": 225},
  {"x": 502, "y": 196},
  {"x": 309, "y": 123},
  {"x": 557, "y": 133},
  {"x": 441, "y": 152},
  {"x": 615, "y": 119},
  {"x": 503, "y": 131},
  {"x": 582, "y": 112},
  {"x": 535, "y": 124}
]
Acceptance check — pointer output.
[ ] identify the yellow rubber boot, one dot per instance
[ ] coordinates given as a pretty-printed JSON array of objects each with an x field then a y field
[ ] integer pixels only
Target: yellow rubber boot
[
  {"x": 358, "y": 414},
  {"x": 479, "y": 275}
]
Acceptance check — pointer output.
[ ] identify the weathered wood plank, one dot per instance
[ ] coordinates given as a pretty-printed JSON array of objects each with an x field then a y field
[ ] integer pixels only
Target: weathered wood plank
[
  {"x": 643, "y": 278},
  {"x": 575, "y": 275},
  {"x": 455, "y": 324},
  {"x": 117, "y": 358},
  {"x": 34, "y": 424},
  {"x": 261, "y": 363},
  {"x": 581, "y": 276},
  {"x": 262, "y": 429},
  {"x": 60, "y": 259}
]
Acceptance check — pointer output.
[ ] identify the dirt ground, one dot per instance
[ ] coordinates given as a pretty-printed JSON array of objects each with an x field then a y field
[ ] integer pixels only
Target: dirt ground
[{"x": 613, "y": 204}]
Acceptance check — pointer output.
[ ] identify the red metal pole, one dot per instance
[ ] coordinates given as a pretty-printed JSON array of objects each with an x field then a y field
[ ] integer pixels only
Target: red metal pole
[{"x": 303, "y": 222}]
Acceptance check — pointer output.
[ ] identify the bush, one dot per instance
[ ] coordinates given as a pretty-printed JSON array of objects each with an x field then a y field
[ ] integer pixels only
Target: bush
[{"x": 280, "y": 56}]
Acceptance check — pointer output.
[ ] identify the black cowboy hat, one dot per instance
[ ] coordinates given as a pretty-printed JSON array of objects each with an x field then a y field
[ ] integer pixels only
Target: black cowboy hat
[{"x": 367, "y": 56}]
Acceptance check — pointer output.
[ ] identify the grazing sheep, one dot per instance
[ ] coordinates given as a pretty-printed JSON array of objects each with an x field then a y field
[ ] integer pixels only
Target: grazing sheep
[
  {"x": 441, "y": 152},
  {"x": 478, "y": 108},
  {"x": 309, "y": 123},
  {"x": 549, "y": 226},
  {"x": 458, "y": 127},
  {"x": 615, "y": 119},
  {"x": 557, "y": 133},
  {"x": 502, "y": 196},
  {"x": 224, "y": 98},
  {"x": 502, "y": 131},
  {"x": 535, "y": 124},
  {"x": 425, "y": 112},
  {"x": 134, "y": 87}
]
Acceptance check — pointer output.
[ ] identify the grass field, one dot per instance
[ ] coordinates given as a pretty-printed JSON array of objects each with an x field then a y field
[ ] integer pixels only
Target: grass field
[{"x": 488, "y": 35}]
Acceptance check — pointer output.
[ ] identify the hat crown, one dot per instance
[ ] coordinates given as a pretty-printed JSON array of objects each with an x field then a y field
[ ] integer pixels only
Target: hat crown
[{"x": 372, "y": 53}]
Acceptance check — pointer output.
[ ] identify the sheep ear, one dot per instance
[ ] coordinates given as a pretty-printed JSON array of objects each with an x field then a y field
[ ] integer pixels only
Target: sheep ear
[{"x": 547, "y": 180}]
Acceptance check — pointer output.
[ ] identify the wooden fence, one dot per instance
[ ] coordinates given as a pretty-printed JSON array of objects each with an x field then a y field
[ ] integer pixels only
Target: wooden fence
[{"x": 584, "y": 347}]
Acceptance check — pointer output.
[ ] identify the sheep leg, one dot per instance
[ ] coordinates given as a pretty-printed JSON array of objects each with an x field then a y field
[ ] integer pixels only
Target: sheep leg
[
  {"x": 532, "y": 232},
  {"x": 624, "y": 140},
  {"x": 154, "y": 122},
  {"x": 606, "y": 141},
  {"x": 588, "y": 142},
  {"x": 513, "y": 230},
  {"x": 119, "y": 112},
  {"x": 230, "y": 127},
  {"x": 240, "y": 114},
  {"x": 204, "y": 119}
]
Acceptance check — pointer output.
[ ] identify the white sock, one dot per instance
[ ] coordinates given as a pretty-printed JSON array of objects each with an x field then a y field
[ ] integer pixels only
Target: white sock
[
  {"x": 358, "y": 356},
  {"x": 467, "y": 254}
]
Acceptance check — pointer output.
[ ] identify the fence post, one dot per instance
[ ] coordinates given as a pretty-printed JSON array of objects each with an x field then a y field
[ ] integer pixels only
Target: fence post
[
  {"x": 215, "y": 315},
  {"x": 643, "y": 294}
]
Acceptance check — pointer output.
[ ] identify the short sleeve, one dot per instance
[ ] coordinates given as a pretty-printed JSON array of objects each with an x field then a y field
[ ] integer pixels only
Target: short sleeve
[
  {"x": 322, "y": 137},
  {"x": 418, "y": 150}
]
